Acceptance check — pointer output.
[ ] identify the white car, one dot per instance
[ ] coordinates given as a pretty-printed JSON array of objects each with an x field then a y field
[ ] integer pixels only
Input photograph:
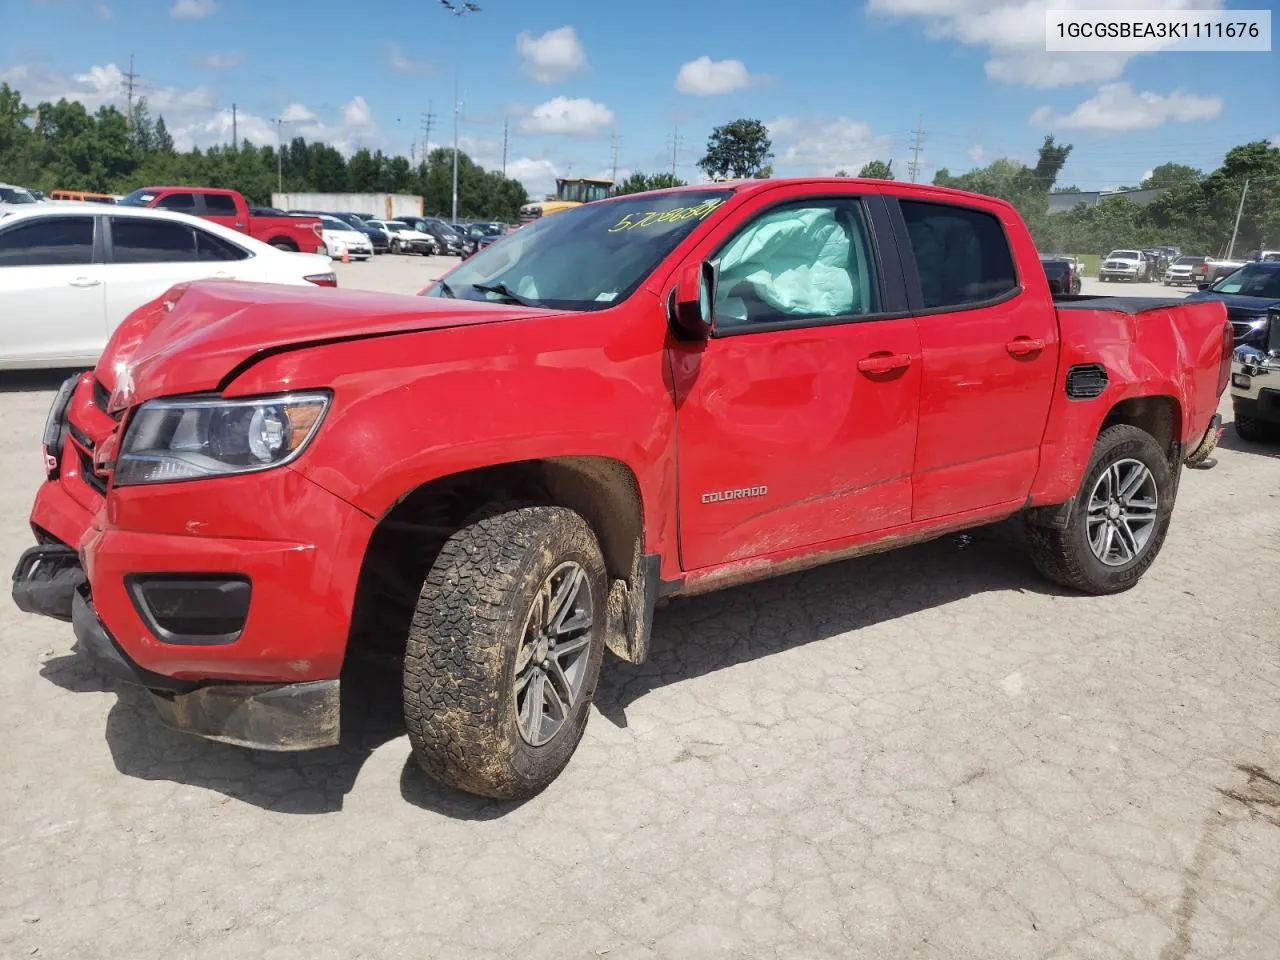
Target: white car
[
  {"x": 16, "y": 195},
  {"x": 70, "y": 274},
  {"x": 340, "y": 237},
  {"x": 1183, "y": 270},
  {"x": 405, "y": 239}
]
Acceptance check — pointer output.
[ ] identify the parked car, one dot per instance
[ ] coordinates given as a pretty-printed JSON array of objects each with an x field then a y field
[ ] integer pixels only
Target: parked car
[
  {"x": 1124, "y": 265},
  {"x": 70, "y": 274},
  {"x": 1248, "y": 293},
  {"x": 468, "y": 234},
  {"x": 1214, "y": 269},
  {"x": 1255, "y": 385},
  {"x": 378, "y": 239},
  {"x": 447, "y": 241},
  {"x": 1183, "y": 270},
  {"x": 341, "y": 238},
  {"x": 1063, "y": 275},
  {"x": 799, "y": 334},
  {"x": 405, "y": 239},
  {"x": 228, "y": 208},
  {"x": 16, "y": 195}
]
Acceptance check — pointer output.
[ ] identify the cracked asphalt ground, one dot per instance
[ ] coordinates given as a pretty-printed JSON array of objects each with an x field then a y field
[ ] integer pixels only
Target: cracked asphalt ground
[{"x": 929, "y": 754}]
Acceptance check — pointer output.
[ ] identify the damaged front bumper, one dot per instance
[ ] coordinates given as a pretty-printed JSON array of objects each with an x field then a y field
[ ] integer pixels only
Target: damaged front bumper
[{"x": 263, "y": 716}]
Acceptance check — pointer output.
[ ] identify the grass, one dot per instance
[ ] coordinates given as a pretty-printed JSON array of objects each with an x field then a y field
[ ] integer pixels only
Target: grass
[{"x": 1088, "y": 263}]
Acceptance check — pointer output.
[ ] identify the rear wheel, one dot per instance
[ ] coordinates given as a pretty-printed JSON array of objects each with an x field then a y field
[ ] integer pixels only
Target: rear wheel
[
  {"x": 287, "y": 245},
  {"x": 504, "y": 651},
  {"x": 1118, "y": 521},
  {"x": 1251, "y": 429}
]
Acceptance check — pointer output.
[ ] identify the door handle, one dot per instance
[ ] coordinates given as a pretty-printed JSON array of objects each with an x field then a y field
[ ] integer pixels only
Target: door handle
[
  {"x": 85, "y": 282},
  {"x": 1024, "y": 346},
  {"x": 239, "y": 226},
  {"x": 884, "y": 362}
]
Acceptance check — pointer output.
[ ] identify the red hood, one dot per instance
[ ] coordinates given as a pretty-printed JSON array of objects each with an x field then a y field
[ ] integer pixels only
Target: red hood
[{"x": 190, "y": 339}]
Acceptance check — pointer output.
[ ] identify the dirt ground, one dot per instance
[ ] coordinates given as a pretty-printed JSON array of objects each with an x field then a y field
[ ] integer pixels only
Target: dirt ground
[{"x": 926, "y": 754}]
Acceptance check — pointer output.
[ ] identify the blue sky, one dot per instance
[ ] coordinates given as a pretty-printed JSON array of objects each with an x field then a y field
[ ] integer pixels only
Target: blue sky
[{"x": 838, "y": 81}]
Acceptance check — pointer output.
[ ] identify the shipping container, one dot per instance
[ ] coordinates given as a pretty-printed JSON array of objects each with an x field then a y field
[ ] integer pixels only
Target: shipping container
[{"x": 384, "y": 206}]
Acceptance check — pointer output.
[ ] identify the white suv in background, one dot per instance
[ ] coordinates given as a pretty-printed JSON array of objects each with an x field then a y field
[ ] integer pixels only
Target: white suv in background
[{"x": 69, "y": 273}]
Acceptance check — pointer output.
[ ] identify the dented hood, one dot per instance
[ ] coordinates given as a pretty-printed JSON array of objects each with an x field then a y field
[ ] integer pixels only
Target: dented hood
[{"x": 197, "y": 334}]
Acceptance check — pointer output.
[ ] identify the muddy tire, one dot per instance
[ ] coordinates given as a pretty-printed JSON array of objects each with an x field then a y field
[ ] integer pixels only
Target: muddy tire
[
  {"x": 288, "y": 246},
  {"x": 1204, "y": 449},
  {"x": 1118, "y": 521},
  {"x": 504, "y": 651}
]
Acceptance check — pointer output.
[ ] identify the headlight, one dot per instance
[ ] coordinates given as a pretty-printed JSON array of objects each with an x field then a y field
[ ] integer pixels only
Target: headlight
[{"x": 172, "y": 440}]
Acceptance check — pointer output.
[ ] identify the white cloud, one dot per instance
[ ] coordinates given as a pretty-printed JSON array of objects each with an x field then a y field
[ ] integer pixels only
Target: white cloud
[
  {"x": 1146, "y": 175},
  {"x": 296, "y": 113},
  {"x": 823, "y": 146},
  {"x": 1013, "y": 32},
  {"x": 572, "y": 117},
  {"x": 193, "y": 9},
  {"x": 976, "y": 152},
  {"x": 1115, "y": 107},
  {"x": 221, "y": 61},
  {"x": 705, "y": 77},
  {"x": 1275, "y": 141},
  {"x": 357, "y": 113},
  {"x": 400, "y": 63},
  {"x": 103, "y": 11},
  {"x": 552, "y": 56},
  {"x": 537, "y": 175}
]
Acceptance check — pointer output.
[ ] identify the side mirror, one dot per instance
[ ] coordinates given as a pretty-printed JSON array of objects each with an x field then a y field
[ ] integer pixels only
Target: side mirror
[
  {"x": 1203, "y": 285},
  {"x": 691, "y": 300}
]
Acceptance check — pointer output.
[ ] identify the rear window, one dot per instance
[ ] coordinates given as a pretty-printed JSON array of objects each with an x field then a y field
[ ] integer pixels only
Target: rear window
[
  {"x": 219, "y": 205},
  {"x": 962, "y": 254}
]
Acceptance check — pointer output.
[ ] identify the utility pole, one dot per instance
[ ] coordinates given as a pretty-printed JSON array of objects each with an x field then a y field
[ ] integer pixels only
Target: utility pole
[
  {"x": 428, "y": 119},
  {"x": 1239, "y": 210},
  {"x": 235, "y": 139},
  {"x": 279, "y": 156},
  {"x": 917, "y": 143},
  {"x": 615, "y": 156},
  {"x": 130, "y": 79},
  {"x": 458, "y": 10},
  {"x": 506, "y": 122},
  {"x": 675, "y": 148}
]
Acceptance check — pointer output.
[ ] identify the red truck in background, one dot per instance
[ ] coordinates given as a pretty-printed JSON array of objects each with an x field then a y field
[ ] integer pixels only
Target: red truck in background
[
  {"x": 649, "y": 396},
  {"x": 229, "y": 208}
]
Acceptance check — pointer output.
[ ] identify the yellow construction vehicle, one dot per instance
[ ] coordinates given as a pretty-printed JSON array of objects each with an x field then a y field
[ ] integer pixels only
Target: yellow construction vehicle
[{"x": 570, "y": 192}]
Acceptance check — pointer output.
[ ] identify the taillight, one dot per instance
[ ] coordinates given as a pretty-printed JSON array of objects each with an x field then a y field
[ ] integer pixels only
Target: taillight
[
  {"x": 1228, "y": 347},
  {"x": 323, "y": 279},
  {"x": 318, "y": 230}
]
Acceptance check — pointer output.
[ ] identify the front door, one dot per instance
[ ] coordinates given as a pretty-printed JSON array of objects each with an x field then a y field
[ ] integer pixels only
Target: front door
[
  {"x": 52, "y": 291},
  {"x": 990, "y": 347},
  {"x": 796, "y": 421}
]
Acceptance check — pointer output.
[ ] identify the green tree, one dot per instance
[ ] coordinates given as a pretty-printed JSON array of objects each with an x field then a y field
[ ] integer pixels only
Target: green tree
[
  {"x": 1172, "y": 175},
  {"x": 642, "y": 182},
  {"x": 738, "y": 149},
  {"x": 876, "y": 170},
  {"x": 841, "y": 172}
]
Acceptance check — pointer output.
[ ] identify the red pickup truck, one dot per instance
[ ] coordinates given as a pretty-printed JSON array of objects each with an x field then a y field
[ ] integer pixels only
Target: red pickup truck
[
  {"x": 229, "y": 208},
  {"x": 645, "y": 397}
]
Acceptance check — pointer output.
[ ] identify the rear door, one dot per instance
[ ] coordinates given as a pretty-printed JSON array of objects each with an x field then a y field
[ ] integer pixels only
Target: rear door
[
  {"x": 149, "y": 255},
  {"x": 989, "y": 339},
  {"x": 796, "y": 420},
  {"x": 222, "y": 208},
  {"x": 52, "y": 291}
]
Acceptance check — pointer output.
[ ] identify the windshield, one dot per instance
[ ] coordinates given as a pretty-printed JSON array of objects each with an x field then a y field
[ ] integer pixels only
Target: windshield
[
  {"x": 1251, "y": 281},
  {"x": 583, "y": 192},
  {"x": 15, "y": 195},
  {"x": 139, "y": 198},
  {"x": 587, "y": 258},
  {"x": 1124, "y": 255}
]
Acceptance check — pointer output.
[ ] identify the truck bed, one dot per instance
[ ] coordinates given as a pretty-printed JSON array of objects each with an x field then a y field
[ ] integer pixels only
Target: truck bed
[{"x": 1129, "y": 305}]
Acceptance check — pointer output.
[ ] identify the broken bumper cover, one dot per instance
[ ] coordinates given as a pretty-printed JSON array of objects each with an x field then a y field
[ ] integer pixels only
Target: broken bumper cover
[
  {"x": 263, "y": 716},
  {"x": 45, "y": 580}
]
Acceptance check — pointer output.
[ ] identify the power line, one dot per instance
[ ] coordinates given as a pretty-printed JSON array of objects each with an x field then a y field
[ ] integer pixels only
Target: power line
[
  {"x": 235, "y": 140},
  {"x": 279, "y": 155},
  {"x": 428, "y": 119},
  {"x": 458, "y": 10},
  {"x": 914, "y": 165},
  {"x": 614, "y": 149}
]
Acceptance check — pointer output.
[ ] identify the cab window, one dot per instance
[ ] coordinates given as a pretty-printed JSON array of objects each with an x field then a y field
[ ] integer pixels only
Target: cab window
[{"x": 807, "y": 261}]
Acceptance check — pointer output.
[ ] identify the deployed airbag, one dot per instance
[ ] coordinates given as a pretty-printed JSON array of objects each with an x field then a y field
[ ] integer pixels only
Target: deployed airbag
[{"x": 797, "y": 261}]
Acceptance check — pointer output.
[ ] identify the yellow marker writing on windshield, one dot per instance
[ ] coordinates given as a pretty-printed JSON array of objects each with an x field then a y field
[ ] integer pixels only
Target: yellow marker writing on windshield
[{"x": 655, "y": 218}]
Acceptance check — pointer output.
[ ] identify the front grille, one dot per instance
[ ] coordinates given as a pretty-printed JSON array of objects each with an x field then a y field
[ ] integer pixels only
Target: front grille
[
  {"x": 91, "y": 478},
  {"x": 1242, "y": 323}
]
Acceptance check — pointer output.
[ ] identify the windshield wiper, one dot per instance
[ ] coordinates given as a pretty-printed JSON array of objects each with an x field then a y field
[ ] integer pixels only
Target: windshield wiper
[
  {"x": 502, "y": 290},
  {"x": 448, "y": 290}
]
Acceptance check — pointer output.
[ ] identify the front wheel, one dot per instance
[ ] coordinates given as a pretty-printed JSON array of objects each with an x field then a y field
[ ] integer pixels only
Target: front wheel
[
  {"x": 1118, "y": 521},
  {"x": 1251, "y": 429},
  {"x": 504, "y": 651}
]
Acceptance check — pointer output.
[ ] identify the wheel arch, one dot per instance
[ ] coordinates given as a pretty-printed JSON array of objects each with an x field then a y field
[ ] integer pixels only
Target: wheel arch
[{"x": 408, "y": 537}]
